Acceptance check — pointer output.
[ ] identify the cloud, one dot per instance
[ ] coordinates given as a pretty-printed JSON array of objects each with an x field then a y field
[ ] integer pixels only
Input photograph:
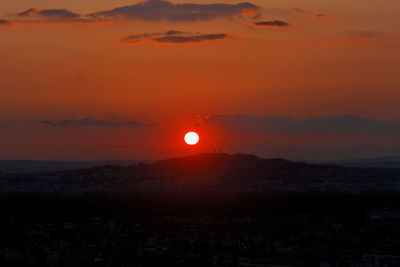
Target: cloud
[
  {"x": 161, "y": 10},
  {"x": 172, "y": 37},
  {"x": 288, "y": 125},
  {"x": 324, "y": 16},
  {"x": 271, "y": 24},
  {"x": 51, "y": 15},
  {"x": 188, "y": 39},
  {"x": 148, "y": 36},
  {"x": 95, "y": 123},
  {"x": 8, "y": 123},
  {"x": 4, "y": 22},
  {"x": 318, "y": 16}
]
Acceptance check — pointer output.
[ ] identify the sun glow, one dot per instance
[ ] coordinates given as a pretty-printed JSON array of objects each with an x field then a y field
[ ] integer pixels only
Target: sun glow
[{"x": 191, "y": 138}]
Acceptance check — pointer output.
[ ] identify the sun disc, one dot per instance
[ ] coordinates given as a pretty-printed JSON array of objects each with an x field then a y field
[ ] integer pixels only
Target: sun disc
[{"x": 191, "y": 138}]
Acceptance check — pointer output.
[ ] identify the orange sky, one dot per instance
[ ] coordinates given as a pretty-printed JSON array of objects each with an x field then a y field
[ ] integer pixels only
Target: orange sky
[{"x": 61, "y": 67}]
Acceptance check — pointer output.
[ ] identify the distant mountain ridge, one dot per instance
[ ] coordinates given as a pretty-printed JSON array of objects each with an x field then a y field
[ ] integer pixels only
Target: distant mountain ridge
[
  {"x": 211, "y": 160},
  {"x": 206, "y": 172},
  {"x": 29, "y": 166}
]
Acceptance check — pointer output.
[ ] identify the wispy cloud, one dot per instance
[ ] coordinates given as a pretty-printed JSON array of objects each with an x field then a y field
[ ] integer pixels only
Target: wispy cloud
[
  {"x": 190, "y": 39},
  {"x": 51, "y": 15},
  {"x": 161, "y": 10},
  {"x": 4, "y": 22},
  {"x": 148, "y": 36},
  {"x": 172, "y": 37},
  {"x": 322, "y": 16},
  {"x": 318, "y": 16},
  {"x": 288, "y": 125},
  {"x": 95, "y": 123},
  {"x": 271, "y": 24}
]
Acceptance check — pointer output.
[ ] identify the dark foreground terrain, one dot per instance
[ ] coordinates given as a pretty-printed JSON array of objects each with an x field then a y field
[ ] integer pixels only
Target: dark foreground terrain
[{"x": 233, "y": 211}]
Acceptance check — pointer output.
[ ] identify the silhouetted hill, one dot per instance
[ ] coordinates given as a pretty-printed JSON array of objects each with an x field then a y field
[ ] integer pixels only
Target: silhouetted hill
[
  {"x": 207, "y": 172},
  {"x": 30, "y": 166},
  {"x": 220, "y": 162}
]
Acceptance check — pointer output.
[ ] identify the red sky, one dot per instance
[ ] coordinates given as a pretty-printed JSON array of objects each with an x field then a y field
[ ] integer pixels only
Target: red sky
[{"x": 81, "y": 80}]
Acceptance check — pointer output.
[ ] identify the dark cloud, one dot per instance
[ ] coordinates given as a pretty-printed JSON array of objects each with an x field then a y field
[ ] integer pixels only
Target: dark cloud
[
  {"x": 8, "y": 123},
  {"x": 4, "y": 22},
  {"x": 51, "y": 15},
  {"x": 325, "y": 16},
  {"x": 173, "y": 37},
  {"x": 288, "y": 125},
  {"x": 173, "y": 32},
  {"x": 58, "y": 13},
  {"x": 158, "y": 10},
  {"x": 94, "y": 122},
  {"x": 188, "y": 39},
  {"x": 131, "y": 39},
  {"x": 272, "y": 23},
  {"x": 306, "y": 14},
  {"x": 29, "y": 12},
  {"x": 322, "y": 16}
]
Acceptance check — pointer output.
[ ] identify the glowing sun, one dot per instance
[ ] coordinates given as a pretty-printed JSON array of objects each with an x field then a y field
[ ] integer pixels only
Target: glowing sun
[{"x": 191, "y": 138}]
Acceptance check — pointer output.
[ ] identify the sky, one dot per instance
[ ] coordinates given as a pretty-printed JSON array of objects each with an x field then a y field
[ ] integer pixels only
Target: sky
[{"x": 119, "y": 79}]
